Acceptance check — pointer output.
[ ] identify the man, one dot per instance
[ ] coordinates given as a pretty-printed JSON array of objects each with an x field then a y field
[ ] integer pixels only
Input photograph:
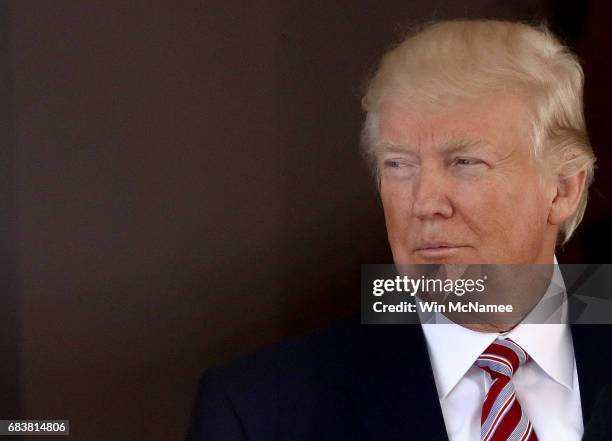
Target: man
[{"x": 476, "y": 135}]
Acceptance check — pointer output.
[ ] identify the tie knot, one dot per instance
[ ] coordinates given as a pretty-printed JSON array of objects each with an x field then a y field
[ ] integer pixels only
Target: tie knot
[{"x": 502, "y": 358}]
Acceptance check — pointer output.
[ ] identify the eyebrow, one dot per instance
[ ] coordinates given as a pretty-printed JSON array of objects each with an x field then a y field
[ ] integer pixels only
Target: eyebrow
[{"x": 452, "y": 145}]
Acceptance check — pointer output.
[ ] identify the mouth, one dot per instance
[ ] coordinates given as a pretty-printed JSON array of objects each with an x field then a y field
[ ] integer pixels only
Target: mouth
[{"x": 438, "y": 250}]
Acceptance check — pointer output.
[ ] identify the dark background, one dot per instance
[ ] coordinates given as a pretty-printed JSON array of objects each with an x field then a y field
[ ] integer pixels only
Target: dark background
[{"x": 181, "y": 184}]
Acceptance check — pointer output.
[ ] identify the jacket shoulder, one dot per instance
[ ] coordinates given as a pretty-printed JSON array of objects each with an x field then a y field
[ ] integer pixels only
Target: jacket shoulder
[
  {"x": 292, "y": 383},
  {"x": 294, "y": 361}
]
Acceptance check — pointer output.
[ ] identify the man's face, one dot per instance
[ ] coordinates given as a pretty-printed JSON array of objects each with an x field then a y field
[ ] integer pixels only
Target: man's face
[{"x": 462, "y": 186}]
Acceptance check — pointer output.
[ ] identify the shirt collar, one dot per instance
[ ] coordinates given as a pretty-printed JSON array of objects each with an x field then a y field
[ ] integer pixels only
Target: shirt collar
[
  {"x": 550, "y": 346},
  {"x": 453, "y": 349}
]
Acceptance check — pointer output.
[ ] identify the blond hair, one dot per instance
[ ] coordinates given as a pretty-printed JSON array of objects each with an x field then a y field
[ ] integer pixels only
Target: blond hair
[{"x": 454, "y": 61}]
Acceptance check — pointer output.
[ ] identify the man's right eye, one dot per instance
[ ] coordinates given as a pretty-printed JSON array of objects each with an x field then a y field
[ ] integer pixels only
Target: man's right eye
[
  {"x": 396, "y": 163},
  {"x": 399, "y": 168}
]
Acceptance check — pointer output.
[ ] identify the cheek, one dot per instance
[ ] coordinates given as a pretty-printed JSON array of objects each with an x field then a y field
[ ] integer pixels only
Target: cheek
[
  {"x": 480, "y": 203},
  {"x": 503, "y": 212},
  {"x": 396, "y": 204}
]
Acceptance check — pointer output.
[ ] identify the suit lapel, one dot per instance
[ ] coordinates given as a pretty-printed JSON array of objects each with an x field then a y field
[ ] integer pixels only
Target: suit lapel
[
  {"x": 592, "y": 345},
  {"x": 396, "y": 393}
]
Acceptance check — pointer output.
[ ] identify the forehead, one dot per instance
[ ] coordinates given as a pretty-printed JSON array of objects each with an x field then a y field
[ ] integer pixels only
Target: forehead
[{"x": 501, "y": 121}]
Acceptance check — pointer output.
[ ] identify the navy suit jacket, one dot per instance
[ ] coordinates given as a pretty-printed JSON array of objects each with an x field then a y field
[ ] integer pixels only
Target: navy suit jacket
[{"x": 361, "y": 382}]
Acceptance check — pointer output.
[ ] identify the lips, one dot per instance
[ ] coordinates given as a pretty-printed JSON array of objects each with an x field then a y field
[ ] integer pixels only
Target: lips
[
  {"x": 438, "y": 251},
  {"x": 436, "y": 245}
]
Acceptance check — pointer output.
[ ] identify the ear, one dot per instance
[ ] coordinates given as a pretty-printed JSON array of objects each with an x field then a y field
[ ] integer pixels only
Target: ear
[{"x": 565, "y": 201}]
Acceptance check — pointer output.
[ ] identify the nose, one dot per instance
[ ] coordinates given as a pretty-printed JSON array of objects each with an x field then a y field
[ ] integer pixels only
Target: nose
[{"x": 431, "y": 194}]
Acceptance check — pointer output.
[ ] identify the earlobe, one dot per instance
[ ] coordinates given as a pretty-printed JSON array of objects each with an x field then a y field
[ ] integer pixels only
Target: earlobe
[
  {"x": 556, "y": 215},
  {"x": 568, "y": 193}
]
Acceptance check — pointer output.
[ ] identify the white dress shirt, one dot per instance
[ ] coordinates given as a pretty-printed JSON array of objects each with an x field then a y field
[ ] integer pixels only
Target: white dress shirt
[{"x": 546, "y": 386}]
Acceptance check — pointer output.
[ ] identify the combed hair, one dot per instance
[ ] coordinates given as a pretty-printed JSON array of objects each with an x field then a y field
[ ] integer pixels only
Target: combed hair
[{"x": 452, "y": 62}]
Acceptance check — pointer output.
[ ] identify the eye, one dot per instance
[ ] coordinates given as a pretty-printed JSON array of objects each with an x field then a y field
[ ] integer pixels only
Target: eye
[
  {"x": 394, "y": 163},
  {"x": 399, "y": 167},
  {"x": 466, "y": 162},
  {"x": 399, "y": 162}
]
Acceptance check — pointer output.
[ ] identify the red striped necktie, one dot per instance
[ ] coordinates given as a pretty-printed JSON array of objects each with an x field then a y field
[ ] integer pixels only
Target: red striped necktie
[{"x": 502, "y": 417}]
